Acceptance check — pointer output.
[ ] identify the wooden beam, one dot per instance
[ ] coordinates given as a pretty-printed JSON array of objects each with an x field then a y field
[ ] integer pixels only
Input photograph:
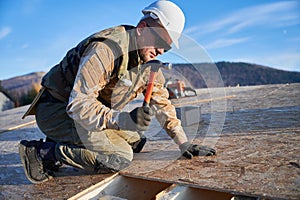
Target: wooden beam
[
  {"x": 182, "y": 103},
  {"x": 18, "y": 126}
]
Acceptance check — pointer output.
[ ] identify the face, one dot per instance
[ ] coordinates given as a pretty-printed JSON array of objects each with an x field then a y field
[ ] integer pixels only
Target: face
[{"x": 152, "y": 41}]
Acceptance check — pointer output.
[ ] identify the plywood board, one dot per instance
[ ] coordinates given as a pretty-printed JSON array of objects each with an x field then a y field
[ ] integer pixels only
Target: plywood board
[
  {"x": 258, "y": 164},
  {"x": 258, "y": 149}
]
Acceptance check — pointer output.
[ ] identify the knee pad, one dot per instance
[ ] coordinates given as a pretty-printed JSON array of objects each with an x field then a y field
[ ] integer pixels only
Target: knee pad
[{"x": 110, "y": 163}]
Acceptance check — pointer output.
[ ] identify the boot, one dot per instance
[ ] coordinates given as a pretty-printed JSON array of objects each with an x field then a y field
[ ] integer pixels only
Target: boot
[
  {"x": 50, "y": 165},
  {"x": 33, "y": 165}
]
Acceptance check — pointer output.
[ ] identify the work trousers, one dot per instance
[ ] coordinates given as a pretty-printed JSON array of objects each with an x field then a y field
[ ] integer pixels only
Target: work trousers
[{"x": 88, "y": 150}]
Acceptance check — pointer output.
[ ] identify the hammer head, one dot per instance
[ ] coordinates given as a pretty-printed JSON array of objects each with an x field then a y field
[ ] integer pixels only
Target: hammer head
[{"x": 156, "y": 64}]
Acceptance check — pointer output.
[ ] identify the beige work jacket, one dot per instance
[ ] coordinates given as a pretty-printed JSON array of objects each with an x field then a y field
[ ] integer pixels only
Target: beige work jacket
[{"x": 98, "y": 95}]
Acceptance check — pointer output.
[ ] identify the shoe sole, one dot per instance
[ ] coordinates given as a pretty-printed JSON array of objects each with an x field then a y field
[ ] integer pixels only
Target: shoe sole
[{"x": 25, "y": 162}]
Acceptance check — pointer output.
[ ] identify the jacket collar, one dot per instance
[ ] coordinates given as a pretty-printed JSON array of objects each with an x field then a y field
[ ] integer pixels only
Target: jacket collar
[{"x": 134, "y": 58}]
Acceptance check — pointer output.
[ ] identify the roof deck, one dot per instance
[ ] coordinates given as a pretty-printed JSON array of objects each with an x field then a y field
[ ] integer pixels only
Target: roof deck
[{"x": 256, "y": 131}]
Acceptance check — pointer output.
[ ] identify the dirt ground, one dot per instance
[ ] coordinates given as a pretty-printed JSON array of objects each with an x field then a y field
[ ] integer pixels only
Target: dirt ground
[{"x": 256, "y": 131}]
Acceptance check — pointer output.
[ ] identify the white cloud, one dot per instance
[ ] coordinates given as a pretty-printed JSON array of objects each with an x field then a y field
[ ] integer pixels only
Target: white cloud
[
  {"x": 4, "y": 32},
  {"x": 280, "y": 14},
  {"x": 275, "y": 14},
  {"x": 219, "y": 43},
  {"x": 285, "y": 61},
  {"x": 24, "y": 46}
]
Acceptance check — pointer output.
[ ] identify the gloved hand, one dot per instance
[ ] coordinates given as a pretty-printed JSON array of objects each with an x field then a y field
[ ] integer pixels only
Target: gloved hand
[
  {"x": 137, "y": 120},
  {"x": 189, "y": 150}
]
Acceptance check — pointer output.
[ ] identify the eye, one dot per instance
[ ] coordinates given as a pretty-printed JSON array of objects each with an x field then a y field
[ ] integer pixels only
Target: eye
[{"x": 159, "y": 42}]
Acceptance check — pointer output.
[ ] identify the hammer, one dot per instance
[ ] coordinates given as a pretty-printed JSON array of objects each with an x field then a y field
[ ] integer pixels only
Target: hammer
[{"x": 155, "y": 66}]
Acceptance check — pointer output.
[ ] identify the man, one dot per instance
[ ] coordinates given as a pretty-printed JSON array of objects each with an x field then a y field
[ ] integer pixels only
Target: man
[{"x": 79, "y": 108}]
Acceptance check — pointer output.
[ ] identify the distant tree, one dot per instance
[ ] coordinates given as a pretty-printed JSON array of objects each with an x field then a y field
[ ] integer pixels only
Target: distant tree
[{"x": 27, "y": 97}]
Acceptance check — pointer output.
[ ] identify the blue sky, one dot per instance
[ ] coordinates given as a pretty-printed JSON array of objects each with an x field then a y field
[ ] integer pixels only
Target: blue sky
[{"x": 36, "y": 34}]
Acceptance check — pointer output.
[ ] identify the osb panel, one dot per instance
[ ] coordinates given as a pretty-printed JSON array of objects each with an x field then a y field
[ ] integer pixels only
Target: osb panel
[
  {"x": 263, "y": 164},
  {"x": 258, "y": 150}
]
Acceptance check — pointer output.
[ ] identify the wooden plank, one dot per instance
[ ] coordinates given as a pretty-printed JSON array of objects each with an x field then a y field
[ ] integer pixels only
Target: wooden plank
[
  {"x": 196, "y": 100},
  {"x": 183, "y": 193},
  {"x": 167, "y": 192},
  {"x": 18, "y": 126},
  {"x": 12, "y": 119},
  {"x": 95, "y": 189},
  {"x": 122, "y": 187},
  {"x": 125, "y": 187}
]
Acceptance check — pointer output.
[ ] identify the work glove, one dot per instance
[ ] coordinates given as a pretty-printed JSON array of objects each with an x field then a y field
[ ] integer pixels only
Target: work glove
[
  {"x": 137, "y": 120},
  {"x": 189, "y": 150}
]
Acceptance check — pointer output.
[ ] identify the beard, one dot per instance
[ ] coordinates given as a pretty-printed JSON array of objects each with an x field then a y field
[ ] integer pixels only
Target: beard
[{"x": 145, "y": 56}]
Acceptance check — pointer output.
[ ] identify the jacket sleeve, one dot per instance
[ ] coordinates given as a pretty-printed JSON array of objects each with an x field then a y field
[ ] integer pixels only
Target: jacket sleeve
[
  {"x": 166, "y": 113},
  {"x": 94, "y": 73}
]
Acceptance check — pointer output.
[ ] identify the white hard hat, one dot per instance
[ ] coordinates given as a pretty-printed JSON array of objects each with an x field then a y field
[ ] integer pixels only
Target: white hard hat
[{"x": 170, "y": 15}]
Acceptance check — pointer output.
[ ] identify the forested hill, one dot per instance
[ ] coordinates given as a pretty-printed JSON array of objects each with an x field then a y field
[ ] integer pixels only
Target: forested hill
[
  {"x": 23, "y": 88},
  {"x": 234, "y": 73}
]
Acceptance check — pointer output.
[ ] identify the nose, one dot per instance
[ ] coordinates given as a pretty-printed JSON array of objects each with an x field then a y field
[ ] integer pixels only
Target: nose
[{"x": 160, "y": 51}]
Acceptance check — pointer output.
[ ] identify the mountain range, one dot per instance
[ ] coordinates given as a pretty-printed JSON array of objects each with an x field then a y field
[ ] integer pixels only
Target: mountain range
[
  {"x": 228, "y": 74},
  {"x": 198, "y": 75}
]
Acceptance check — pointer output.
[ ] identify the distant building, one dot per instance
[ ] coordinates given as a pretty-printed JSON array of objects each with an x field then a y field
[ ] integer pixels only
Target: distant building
[{"x": 5, "y": 102}]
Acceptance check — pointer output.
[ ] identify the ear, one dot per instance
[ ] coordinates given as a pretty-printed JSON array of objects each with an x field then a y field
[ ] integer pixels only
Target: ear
[{"x": 140, "y": 27}]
